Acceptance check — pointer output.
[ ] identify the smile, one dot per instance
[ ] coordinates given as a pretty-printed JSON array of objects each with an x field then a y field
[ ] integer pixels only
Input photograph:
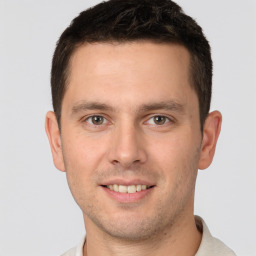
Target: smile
[
  {"x": 127, "y": 192},
  {"x": 128, "y": 189}
]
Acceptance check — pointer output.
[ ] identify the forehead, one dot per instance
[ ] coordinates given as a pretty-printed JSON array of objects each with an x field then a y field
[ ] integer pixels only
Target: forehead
[
  {"x": 104, "y": 58},
  {"x": 129, "y": 72}
]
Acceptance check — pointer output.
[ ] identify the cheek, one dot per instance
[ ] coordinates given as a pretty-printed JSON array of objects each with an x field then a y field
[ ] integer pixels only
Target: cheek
[
  {"x": 177, "y": 157},
  {"x": 82, "y": 156},
  {"x": 171, "y": 149},
  {"x": 83, "y": 153}
]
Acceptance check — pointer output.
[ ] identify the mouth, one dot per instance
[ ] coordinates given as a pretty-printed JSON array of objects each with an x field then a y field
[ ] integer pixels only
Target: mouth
[{"x": 131, "y": 189}]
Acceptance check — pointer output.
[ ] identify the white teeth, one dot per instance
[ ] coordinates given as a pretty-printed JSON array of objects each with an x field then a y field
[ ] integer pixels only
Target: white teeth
[
  {"x": 138, "y": 188},
  {"x": 123, "y": 189},
  {"x": 115, "y": 187},
  {"x": 127, "y": 189},
  {"x": 132, "y": 189},
  {"x": 143, "y": 187}
]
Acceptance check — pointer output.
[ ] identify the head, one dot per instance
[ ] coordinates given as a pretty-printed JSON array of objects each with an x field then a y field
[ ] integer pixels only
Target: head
[
  {"x": 131, "y": 87},
  {"x": 159, "y": 21}
]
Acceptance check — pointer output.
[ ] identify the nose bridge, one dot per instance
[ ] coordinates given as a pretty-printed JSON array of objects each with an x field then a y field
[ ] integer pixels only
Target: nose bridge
[{"x": 126, "y": 148}]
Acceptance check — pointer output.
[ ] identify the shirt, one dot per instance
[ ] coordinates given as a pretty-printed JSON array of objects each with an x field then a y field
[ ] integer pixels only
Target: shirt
[{"x": 210, "y": 246}]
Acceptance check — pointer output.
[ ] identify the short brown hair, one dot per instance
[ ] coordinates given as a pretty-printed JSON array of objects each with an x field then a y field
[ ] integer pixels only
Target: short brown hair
[{"x": 160, "y": 21}]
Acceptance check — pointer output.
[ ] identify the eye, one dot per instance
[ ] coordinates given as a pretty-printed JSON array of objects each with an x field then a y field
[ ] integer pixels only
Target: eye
[
  {"x": 159, "y": 120},
  {"x": 96, "y": 120}
]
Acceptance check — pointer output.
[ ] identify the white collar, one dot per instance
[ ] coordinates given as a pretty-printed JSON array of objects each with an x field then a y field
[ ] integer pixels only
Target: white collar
[{"x": 210, "y": 246}]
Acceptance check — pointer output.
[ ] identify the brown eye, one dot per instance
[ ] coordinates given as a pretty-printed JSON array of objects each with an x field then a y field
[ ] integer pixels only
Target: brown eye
[
  {"x": 159, "y": 120},
  {"x": 96, "y": 120}
]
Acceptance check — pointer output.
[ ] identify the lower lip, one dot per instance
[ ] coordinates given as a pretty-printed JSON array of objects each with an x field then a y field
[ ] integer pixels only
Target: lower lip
[{"x": 128, "y": 197}]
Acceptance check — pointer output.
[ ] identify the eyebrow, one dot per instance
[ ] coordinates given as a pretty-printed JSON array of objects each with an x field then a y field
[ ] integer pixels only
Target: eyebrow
[
  {"x": 169, "y": 105},
  {"x": 83, "y": 106}
]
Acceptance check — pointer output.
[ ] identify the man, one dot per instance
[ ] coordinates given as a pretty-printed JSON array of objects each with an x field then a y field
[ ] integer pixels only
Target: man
[{"x": 131, "y": 89}]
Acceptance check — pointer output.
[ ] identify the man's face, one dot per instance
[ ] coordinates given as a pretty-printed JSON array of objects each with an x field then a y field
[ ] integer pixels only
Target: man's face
[{"x": 130, "y": 118}]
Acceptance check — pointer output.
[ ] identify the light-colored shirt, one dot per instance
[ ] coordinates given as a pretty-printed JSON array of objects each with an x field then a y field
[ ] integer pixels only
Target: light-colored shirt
[{"x": 210, "y": 246}]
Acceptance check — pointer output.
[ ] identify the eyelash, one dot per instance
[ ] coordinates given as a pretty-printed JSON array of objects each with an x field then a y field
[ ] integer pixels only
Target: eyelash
[
  {"x": 91, "y": 123},
  {"x": 167, "y": 120}
]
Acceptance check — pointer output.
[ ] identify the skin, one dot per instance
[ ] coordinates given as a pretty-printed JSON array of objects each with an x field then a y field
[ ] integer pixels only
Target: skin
[{"x": 136, "y": 82}]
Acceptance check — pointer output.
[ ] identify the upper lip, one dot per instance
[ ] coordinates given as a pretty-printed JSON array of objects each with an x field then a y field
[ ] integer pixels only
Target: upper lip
[{"x": 127, "y": 182}]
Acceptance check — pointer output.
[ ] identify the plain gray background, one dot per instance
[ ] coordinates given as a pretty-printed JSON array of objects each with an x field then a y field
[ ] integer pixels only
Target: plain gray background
[{"x": 38, "y": 216}]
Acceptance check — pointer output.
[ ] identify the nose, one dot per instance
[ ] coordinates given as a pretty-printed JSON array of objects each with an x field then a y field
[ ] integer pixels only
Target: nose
[{"x": 127, "y": 147}]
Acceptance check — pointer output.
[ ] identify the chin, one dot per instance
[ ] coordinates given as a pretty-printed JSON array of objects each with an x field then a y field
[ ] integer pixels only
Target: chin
[{"x": 132, "y": 228}]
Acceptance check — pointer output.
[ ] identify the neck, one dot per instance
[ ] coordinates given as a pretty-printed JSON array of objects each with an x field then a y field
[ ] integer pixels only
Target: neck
[{"x": 182, "y": 239}]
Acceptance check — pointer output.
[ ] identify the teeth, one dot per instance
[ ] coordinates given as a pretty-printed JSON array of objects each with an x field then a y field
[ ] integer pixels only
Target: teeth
[
  {"x": 143, "y": 187},
  {"x": 138, "y": 188},
  {"x": 123, "y": 189},
  {"x": 115, "y": 187},
  {"x": 127, "y": 189},
  {"x": 131, "y": 189}
]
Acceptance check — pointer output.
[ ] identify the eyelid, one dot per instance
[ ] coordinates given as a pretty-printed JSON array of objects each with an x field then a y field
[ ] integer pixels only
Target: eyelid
[
  {"x": 86, "y": 118},
  {"x": 168, "y": 118},
  {"x": 149, "y": 117},
  {"x": 90, "y": 117}
]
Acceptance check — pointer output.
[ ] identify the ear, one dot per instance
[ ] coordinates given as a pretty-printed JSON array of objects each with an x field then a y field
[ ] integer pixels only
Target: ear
[
  {"x": 53, "y": 133},
  {"x": 211, "y": 131}
]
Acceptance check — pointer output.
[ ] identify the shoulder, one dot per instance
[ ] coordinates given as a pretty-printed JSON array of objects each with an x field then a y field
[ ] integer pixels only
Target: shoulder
[
  {"x": 76, "y": 251},
  {"x": 210, "y": 245},
  {"x": 71, "y": 252}
]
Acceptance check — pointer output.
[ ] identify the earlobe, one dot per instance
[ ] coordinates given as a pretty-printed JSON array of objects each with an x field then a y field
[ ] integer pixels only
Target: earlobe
[
  {"x": 53, "y": 133},
  {"x": 211, "y": 131}
]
